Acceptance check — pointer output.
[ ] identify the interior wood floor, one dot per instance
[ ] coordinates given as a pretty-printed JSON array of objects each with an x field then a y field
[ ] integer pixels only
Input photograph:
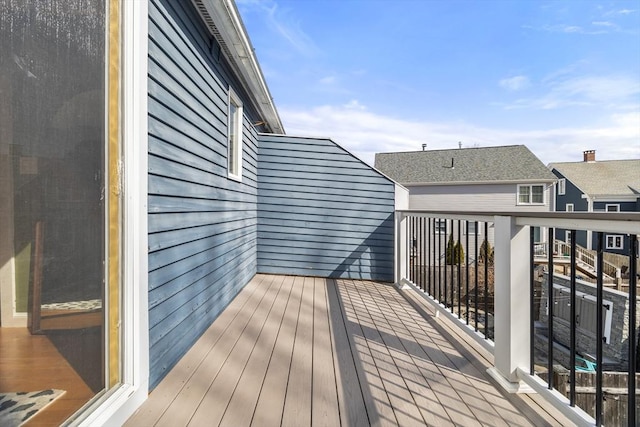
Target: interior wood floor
[
  {"x": 32, "y": 362},
  {"x": 303, "y": 351}
]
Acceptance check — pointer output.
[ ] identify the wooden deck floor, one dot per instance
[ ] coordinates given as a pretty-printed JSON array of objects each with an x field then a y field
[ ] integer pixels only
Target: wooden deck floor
[{"x": 302, "y": 351}]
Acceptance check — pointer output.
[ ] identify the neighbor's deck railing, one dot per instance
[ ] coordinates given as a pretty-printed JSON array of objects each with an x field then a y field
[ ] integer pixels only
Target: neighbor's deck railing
[
  {"x": 500, "y": 297},
  {"x": 584, "y": 256}
]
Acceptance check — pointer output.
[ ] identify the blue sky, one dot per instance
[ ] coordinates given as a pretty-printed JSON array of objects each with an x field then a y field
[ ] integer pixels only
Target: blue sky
[{"x": 560, "y": 77}]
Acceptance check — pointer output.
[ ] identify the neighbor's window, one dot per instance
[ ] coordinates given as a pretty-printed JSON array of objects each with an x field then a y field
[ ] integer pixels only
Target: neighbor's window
[
  {"x": 234, "y": 154},
  {"x": 530, "y": 194},
  {"x": 471, "y": 227},
  {"x": 612, "y": 208},
  {"x": 562, "y": 186},
  {"x": 615, "y": 242},
  {"x": 440, "y": 226},
  {"x": 569, "y": 207}
]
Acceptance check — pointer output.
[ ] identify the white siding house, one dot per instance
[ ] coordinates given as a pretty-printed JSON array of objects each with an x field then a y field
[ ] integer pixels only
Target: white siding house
[{"x": 500, "y": 179}]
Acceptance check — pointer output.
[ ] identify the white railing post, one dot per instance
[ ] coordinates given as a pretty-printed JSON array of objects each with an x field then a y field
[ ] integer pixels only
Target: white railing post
[
  {"x": 400, "y": 270},
  {"x": 511, "y": 302}
]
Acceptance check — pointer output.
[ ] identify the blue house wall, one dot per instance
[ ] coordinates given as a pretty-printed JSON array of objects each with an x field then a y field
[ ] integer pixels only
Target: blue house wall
[
  {"x": 202, "y": 225},
  {"x": 322, "y": 212},
  {"x": 580, "y": 204},
  {"x": 572, "y": 195}
]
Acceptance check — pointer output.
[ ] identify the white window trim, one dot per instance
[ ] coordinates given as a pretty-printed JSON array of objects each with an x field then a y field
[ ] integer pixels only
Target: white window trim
[
  {"x": 470, "y": 232},
  {"x": 122, "y": 401},
  {"x": 569, "y": 207},
  {"x": 238, "y": 146},
  {"x": 612, "y": 205},
  {"x": 440, "y": 229},
  {"x": 614, "y": 237},
  {"x": 530, "y": 203},
  {"x": 562, "y": 186}
]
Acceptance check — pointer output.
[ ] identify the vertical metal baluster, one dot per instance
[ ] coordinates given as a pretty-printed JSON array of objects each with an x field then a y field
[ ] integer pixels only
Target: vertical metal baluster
[
  {"x": 436, "y": 277},
  {"x": 419, "y": 253},
  {"x": 446, "y": 240},
  {"x": 633, "y": 336},
  {"x": 572, "y": 329},
  {"x": 531, "y": 300},
  {"x": 466, "y": 270},
  {"x": 410, "y": 239},
  {"x": 423, "y": 248},
  {"x": 459, "y": 270},
  {"x": 550, "y": 310},
  {"x": 452, "y": 284},
  {"x": 407, "y": 245},
  {"x": 439, "y": 261},
  {"x": 599, "y": 328},
  {"x": 429, "y": 247},
  {"x": 486, "y": 281},
  {"x": 475, "y": 291}
]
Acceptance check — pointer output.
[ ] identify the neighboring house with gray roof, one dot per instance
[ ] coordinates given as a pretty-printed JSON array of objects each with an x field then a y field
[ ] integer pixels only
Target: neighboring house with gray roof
[
  {"x": 509, "y": 178},
  {"x": 597, "y": 186}
]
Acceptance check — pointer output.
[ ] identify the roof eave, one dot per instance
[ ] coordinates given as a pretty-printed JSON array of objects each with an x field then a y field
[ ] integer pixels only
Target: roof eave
[
  {"x": 614, "y": 197},
  {"x": 519, "y": 181},
  {"x": 224, "y": 22}
]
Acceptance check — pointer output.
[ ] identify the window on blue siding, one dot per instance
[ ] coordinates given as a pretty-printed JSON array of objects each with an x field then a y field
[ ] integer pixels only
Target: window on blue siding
[
  {"x": 234, "y": 141},
  {"x": 531, "y": 194},
  {"x": 562, "y": 186},
  {"x": 615, "y": 242},
  {"x": 612, "y": 208}
]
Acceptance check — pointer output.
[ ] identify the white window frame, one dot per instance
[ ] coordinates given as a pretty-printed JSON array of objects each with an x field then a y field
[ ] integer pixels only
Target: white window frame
[
  {"x": 567, "y": 237},
  {"x": 120, "y": 402},
  {"x": 614, "y": 241},
  {"x": 616, "y": 207},
  {"x": 530, "y": 195},
  {"x": 562, "y": 186},
  {"x": 234, "y": 136},
  {"x": 470, "y": 228},
  {"x": 440, "y": 225},
  {"x": 569, "y": 207}
]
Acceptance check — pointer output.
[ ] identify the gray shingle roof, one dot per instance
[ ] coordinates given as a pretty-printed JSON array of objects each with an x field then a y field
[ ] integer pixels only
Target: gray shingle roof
[
  {"x": 511, "y": 163},
  {"x": 609, "y": 177}
]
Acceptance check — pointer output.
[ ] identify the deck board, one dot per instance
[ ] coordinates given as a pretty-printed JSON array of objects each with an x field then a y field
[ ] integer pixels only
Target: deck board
[
  {"x": 302, "y": 351},
  {"x": 297, "y": 406}
]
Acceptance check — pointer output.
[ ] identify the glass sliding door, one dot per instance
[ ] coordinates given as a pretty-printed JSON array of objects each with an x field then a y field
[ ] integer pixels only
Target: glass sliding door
[{"x": 54, "y": 203}]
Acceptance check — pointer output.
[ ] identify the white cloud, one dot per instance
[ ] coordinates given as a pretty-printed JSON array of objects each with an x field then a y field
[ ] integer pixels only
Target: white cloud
[
  {"x": 603, "y": 24},
  {"x": 281, "y": 22},
  {"x": 563, "y": 90},
  {"x": 328, "y": 80},
  {"x": 515, "y": 83},
  {"x": 365, "y": 133},
  {"x": 620, "y": 12}
]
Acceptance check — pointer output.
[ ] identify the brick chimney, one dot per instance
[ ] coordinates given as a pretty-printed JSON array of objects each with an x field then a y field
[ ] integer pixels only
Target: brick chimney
[{"x": 589, "y": 155}]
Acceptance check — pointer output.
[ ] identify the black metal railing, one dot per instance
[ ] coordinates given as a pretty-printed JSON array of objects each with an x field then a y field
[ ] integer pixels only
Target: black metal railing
[
  {"x": 447, "y": 261},
  {"x": 583, "y": 330},
  {"x": 594, "y": 373}
]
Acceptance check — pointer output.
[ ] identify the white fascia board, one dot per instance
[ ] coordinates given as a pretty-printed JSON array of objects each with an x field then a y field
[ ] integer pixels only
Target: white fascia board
[{"x": 224, "y": 16}]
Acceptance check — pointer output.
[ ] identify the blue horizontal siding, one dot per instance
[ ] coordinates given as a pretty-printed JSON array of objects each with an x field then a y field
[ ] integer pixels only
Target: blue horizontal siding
[
  {"x": 321, "y": 211},
  {"x": 202, "y": 226}
]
